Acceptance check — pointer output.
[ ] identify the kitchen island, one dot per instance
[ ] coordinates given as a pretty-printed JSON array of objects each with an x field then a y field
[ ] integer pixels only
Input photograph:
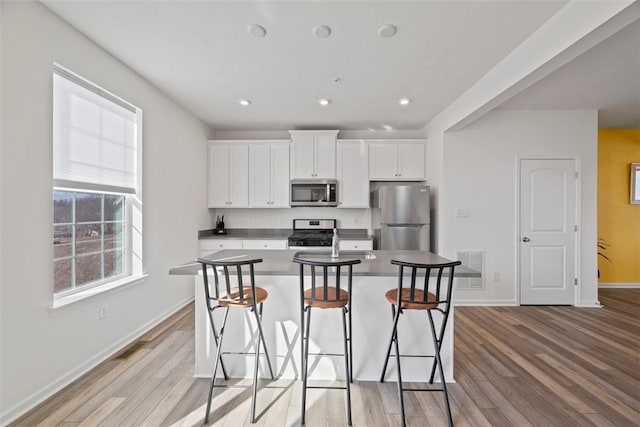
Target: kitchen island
[{"x": 370, "y": 310}]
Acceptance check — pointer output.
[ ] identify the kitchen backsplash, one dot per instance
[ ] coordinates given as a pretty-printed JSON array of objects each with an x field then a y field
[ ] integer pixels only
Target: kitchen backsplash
[{"x": 283, "y": 218}]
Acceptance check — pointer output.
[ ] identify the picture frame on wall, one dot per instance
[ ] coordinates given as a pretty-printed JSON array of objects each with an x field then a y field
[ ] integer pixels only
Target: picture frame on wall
[{"x": 635, "y": 183}]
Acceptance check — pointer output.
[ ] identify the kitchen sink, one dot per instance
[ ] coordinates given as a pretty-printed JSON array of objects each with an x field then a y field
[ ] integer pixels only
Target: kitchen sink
[{"x": 342, "y": 255}]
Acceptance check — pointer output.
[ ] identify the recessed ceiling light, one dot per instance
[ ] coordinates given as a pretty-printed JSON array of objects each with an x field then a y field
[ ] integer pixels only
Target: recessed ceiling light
[
  {"x": 257, "y": 30},
  {"x": 322, "y": 31},
  {"x": 324, "y": 101},
  {"x": 387, "y": 31},
  {"x": 387, "y": 127},
  {"x": 244, "y": 102},
  {"x": 404, "y": 101}
]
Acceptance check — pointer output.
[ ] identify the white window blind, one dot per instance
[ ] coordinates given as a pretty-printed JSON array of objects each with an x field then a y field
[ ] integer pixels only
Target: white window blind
[{"x": 94, "y": 137}]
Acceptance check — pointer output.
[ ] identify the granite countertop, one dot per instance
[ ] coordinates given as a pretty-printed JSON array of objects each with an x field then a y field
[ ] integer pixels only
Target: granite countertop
[
  {"x": 279, "y": 262},
  {"x": 276, "y": 234},
  {"x": 247, "y": 233}
]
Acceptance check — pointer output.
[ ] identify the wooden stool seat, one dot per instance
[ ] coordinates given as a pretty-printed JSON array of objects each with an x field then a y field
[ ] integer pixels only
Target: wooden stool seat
[
  {"x": 331, "y": 300},
  {"x": 233, "y": 300},
  {"x": 415, "y": 303}
]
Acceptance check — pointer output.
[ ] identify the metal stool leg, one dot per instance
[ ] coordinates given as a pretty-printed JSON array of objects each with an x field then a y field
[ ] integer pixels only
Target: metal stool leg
[
  {"x": 386, "y": 359},
  {"x": 215, "y": 365},
  {"x": 266, "y": 350},
  {"x": 350, "y": 346},
  {"x": 347, "y": 361},
  {"x": 301, "y": 329},
  {"x": 259, "y": 340},
  {"x": 440, "y": 338},
  {"x": 305, "y": 363},
  {"x": 436, "y": 345},
  {"x": 395, "y": 340},
  {"x": 215, "y": 338}
]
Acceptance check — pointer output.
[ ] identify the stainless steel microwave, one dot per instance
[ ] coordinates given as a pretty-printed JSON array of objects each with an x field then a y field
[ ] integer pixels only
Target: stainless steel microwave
[{"x": 314, "y": 192}]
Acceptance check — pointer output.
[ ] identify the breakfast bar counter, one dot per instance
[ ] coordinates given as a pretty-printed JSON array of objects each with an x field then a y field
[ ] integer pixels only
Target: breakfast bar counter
[{"x": 371, "y": 319}]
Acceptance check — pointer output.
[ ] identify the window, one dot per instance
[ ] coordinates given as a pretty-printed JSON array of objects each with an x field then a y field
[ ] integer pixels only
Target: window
[{"x": 96, "y": 186}]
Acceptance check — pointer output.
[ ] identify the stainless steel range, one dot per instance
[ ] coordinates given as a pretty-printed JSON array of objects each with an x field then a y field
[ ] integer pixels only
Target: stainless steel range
[{"x": 312, "y": 234}]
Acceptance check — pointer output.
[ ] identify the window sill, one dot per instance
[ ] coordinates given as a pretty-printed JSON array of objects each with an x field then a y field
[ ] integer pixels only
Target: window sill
[{"x": 97, "y": 290}]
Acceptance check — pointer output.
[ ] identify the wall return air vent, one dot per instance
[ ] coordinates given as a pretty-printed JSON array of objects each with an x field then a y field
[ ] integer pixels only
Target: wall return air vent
[{"x": 475, "y": 260}]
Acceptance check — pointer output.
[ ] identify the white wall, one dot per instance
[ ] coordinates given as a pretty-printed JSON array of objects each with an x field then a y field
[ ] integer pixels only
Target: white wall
[
  {"x": 43, "y": 349},
  {"x": 480, "y": 174}
]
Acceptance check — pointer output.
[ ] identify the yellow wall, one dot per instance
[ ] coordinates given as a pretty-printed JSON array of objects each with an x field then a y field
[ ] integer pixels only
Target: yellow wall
[{"x": 618, "y": 220}]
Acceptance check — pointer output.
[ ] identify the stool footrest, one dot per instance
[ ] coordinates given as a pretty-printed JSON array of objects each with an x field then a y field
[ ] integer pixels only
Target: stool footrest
[
  {"x": 327, "y": 387},
  {"x": 236, "y": 353},
  {"x": 422, "y": 389},
  {"x": 412, "y": 355},
  {"x": 233, "y": 385},
  {"x": 326, "y": 354}
]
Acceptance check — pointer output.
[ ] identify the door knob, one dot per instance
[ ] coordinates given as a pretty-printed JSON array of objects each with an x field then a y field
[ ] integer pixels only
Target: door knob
[{"x": 525, "y": 239}]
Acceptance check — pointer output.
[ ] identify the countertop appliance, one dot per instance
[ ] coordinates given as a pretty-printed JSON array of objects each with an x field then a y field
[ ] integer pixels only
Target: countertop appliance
[
  {"x": 220, "y": 230},
  {"x": 314, "y": 192},
  {"x": 401, "y": 218},
  {"x": 312, "y": 234}
]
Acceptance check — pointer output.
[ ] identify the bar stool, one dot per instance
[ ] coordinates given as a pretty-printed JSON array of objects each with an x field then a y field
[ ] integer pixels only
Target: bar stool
[
  {"x": 240, "y": 295},
  {"x": 431, "y": 298},
  {"x": 324, "y": 296}
]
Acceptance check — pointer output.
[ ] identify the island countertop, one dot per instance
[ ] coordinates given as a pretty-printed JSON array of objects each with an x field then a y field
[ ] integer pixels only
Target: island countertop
[{"x": 279, "y": 262}]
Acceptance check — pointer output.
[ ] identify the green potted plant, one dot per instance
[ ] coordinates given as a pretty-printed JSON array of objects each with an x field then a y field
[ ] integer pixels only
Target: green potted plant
[{"x": 602, "y": 246}]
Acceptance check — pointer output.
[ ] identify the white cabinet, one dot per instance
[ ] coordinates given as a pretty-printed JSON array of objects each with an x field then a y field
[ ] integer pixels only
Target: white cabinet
[
  {"x": 210, "y": 246},
  {"x": 313, "y": 154},
  {"x": 356, "y": 245},
  {"x": 401, "y": 160},
  {"x": 353, "y": 174},
  {"x": 228, "y": 175},
  {"x": 264, "y": 244},
  {"x": 269, "y": 175}
]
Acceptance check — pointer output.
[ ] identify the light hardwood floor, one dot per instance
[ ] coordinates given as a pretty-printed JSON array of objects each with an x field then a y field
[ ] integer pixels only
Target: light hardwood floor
[{"x": 515, "y": 366}]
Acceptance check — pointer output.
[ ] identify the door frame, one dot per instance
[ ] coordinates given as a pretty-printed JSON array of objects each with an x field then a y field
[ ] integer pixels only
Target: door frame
[{"x": 576, "y": 158}]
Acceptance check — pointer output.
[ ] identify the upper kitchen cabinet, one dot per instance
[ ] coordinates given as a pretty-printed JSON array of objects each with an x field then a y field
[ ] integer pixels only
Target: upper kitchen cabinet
[
  {"x": 353, "y": 174},
  {"x": 269, "y": 174},
  {"x": 398, "y": 160},
  {"x": 313, "y": 154},
  {"x": 228, "y": 175}
]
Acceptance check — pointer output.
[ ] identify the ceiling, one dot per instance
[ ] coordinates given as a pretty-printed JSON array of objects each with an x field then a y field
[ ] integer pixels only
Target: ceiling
[
  {"x": 606, "y": 78},
  {"x": 201, "y": 54}
]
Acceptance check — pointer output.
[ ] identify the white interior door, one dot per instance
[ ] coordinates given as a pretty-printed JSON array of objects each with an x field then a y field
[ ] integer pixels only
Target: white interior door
[{"x": 548, "y": 228}]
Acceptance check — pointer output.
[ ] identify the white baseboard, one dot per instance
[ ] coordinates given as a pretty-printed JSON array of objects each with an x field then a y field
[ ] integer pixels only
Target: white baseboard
[
  {"x": 589, "y": 304},
  {"x": 629, "y": 285},
  {"x": 46, "y": 392},
  {"x": 485, "y": 302}
]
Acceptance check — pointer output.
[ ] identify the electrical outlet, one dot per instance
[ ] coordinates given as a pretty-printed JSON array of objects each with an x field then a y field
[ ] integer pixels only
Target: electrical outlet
[
  {"x": 102, "y": 312},
  {"x": 355, "y": 220},
  {"x": 496, "y": 276}
]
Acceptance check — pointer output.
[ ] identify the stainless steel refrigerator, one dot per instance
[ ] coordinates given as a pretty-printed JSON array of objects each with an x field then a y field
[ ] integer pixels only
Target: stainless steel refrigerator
[{"x": 401, "y": 217}]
